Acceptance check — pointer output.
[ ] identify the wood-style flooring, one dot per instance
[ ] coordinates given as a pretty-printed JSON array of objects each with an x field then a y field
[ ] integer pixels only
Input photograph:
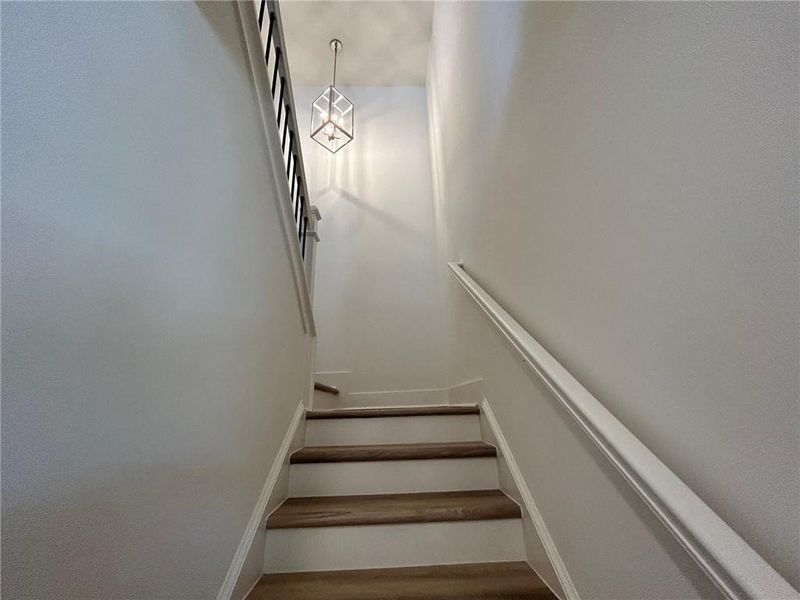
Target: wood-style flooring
[
  {"x": 382, "y": 509},
  {"x": 373, "y": 452},
  {"x": 484, "y": 581}
]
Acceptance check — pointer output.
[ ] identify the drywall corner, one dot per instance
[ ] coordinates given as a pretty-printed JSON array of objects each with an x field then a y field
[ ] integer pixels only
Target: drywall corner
[{"x": 468, "y": 392}]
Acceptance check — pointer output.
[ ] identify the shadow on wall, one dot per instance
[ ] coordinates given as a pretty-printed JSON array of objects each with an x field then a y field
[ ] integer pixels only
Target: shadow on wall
[
  {"x": 376, "y": 273},
  {"x": 372, "y": 211},
  {"x": 219, "y": 22},
  {"x": 354, "y": 167}
]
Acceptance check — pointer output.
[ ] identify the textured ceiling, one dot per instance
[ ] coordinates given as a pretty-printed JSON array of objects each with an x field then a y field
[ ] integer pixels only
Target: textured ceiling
[{"x": 385, "y": 41}]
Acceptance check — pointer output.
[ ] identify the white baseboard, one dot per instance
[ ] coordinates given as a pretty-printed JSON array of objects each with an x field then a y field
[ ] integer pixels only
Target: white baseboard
[
  {"x": 257, "y": 518},
  {"x": 529, "y": 505}
]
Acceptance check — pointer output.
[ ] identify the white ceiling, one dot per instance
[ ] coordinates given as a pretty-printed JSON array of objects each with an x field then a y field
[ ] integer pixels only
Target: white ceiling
[{"x": 385, "y": 41}]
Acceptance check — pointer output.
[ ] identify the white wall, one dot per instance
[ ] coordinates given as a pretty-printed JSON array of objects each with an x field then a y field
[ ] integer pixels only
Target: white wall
[
  {"x": 377, "y": 292},
  {"x": 623, "y": 179},
  {"x": 153, "y": 352}
]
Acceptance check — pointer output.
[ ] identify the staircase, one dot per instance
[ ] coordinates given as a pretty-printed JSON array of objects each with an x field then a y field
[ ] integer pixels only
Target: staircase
[{"x": 390, "y": 503}]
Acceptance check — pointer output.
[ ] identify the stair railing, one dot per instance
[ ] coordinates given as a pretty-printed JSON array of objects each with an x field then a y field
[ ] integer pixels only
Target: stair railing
[
  {"x": 266, "y": 57},
  {"x": 280, "y": 82}
]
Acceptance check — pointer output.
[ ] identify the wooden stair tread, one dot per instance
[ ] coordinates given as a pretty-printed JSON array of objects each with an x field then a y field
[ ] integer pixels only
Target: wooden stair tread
[
  {"x": 373, "y": 452},
  {"x": 401, "y": 411},
  {"x": 383, "y": 509},
  {"x": 481, "y": 581}
]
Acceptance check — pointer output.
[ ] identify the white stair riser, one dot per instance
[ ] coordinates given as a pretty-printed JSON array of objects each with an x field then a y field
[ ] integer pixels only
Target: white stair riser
[
  {"x": 392, "y": 477},
  {"x": 393, "y": 430},
  {"x": 406, "y": 545},
  {"x": 383, "y": 399}
]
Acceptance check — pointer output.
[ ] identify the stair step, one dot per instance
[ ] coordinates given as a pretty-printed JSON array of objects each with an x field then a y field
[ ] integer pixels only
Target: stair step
[
  {"x": 403, "y": 411},
  {"x": 389, "y": 509},
  {"x": 393, "y": 477},
  {"x": 393, "y": 430},
  {"x": 481, "y": 581},
  {"x": 371, "y": 452},
  {"x": 395, "y": 545}
]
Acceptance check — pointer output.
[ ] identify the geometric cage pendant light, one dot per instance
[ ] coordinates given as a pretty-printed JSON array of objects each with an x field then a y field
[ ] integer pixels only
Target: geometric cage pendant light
[{"x": 332, "y": 113}]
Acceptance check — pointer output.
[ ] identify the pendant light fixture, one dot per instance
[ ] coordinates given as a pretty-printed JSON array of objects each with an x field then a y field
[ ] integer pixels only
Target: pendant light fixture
[{"x": 332, "y": 113}]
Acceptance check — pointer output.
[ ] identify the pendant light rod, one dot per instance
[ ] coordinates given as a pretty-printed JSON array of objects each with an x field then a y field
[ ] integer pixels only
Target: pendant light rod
[{"x": 336, "y": 47}]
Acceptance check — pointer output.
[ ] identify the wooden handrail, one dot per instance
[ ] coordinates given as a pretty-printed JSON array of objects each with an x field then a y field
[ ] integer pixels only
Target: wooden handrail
[{"x": 730, "y": 562}]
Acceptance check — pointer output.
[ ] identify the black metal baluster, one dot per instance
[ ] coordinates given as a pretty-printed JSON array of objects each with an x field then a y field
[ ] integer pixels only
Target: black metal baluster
[
  {"x": 292, "y": 153},
  {"x": 291, "y": 146},
  {"x": 300, "y": 202},
  {"x": 296, "y": 197},
  {"x": 285, "y": 127},
  {"x": 280, "y": 100},
  {"x": 269, "y": 43},
  {"x": 298, "y": 221},
  {"x": 303, "y": 238},
  {"x": 275, "y": 71},
  {"x": 298, "y": 207},
  {"x": 282, "y": 137}
]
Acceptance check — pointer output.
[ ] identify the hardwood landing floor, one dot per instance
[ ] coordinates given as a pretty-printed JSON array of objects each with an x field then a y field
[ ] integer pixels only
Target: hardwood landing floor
[{"x": 482, "y": 581}]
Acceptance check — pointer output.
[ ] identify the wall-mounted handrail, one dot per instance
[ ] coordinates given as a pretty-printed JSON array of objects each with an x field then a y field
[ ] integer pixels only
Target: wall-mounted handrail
[{"x": 737, "y": 570}]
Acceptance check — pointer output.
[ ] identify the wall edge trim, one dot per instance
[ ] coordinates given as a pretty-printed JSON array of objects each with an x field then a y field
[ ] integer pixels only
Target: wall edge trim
[
  {"x": 570, "y": 591},
  {"x": 257, "y": 516}
]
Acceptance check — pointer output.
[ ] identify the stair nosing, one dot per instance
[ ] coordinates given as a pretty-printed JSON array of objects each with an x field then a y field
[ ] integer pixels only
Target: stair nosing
[
  {"x": 387, "y": 412},
  {"x": 392, "y": 452},
  {"x": 501, "y": 507}
]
